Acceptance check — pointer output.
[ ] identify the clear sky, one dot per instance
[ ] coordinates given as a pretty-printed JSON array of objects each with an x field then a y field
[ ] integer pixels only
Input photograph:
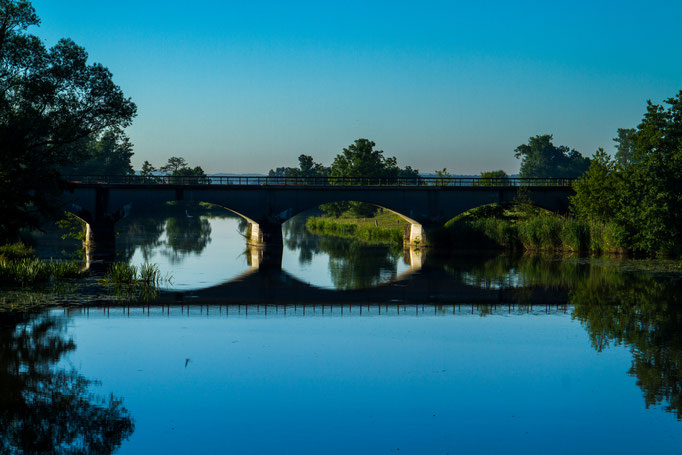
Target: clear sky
[{"x": 247, "y": 86}]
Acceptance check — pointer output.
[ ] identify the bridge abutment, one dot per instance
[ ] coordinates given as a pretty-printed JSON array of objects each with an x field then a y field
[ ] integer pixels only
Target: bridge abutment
[{"x": 100, "y": 240}]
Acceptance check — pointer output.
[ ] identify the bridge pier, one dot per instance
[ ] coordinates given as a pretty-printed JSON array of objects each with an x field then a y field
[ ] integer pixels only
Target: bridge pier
[
  {"x": 100, "y": 240},
  {"x": 264, "y": 257},
  {"x": 265, "y": 233}
]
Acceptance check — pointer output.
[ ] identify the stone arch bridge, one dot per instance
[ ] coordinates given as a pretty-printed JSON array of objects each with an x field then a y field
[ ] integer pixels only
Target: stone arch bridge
[{"x": 426, "y": 204}]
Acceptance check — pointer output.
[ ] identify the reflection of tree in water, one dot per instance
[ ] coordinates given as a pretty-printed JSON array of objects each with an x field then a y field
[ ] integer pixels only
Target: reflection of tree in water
[
  {"x": 185, "y": 236},
  {"x": 633, "y": 309},
  {"x": 296, "y": 236},
  {"x": 186, "y": 225},
  {"x": 645, "y": 315},
  {"x": 353, "y": 265},
  {"x": 44, "y": 409}
]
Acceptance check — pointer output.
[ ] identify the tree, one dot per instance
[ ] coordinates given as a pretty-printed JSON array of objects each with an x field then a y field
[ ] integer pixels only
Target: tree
[
  {"x": 49, "y": 100},
  {"x": 187, "y": 172},
  {"x": 643, "y": 197},
  {"x": 360, "y": 159},
  {"x": 596, "y": 191},
  {"x": 174, "y": 164},
  {"x": 651, "y": 196},
  {"x": 147, "y": 170},
  {"x": 307, "y": 167},
  {"x": 45, "y": 406},
  {"x": 493, "y": 178},
  {"x": 109, "y": 155},
  {"x": 541, "y": 158},
  {"x": 625, "y": 145}
]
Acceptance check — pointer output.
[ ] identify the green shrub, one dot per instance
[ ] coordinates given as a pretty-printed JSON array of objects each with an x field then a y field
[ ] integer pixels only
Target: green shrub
[{"x": 17, "y": 250}]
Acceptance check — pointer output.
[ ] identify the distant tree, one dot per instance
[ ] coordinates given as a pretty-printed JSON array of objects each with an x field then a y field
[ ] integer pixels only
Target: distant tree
[
  {"x": 360, "y": 159},
  {"x": 625, "y": 145},
  {"x": 189, "y": 175},
  {"x": 443, "y": 176},
  {"x": 493, "y": 178},
  {"x": 541, "y": 158},
  {"x": 174, "y": 164},
  {"x": 147, "y": 170},
  {"x": 307, "y": 167},
  {"x": 409, "y": 174},
  {"x": 50, "y": 99}
]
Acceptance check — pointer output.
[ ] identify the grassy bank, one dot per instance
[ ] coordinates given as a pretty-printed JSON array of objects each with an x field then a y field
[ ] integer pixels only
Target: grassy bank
[
  {"x": 385, "y": 228},
  {"x": 520, "y": 227},
  {"x": 19, "y": 267}
]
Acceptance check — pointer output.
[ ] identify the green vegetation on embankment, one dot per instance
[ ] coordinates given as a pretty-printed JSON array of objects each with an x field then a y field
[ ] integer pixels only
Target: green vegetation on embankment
[
  {"x": 385, "y": 227},
  {"x": 19, "y": 267},
  {"x": 520, "y": 227}
]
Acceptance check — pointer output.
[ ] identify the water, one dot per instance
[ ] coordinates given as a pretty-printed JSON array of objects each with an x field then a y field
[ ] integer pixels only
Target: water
[{"x": 351, "y": 350}]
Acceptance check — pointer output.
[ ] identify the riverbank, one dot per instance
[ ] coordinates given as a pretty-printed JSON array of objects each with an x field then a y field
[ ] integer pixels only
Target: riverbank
[
  {"x": 385, "y": 228},
  {"x": 520, "y": 227}
]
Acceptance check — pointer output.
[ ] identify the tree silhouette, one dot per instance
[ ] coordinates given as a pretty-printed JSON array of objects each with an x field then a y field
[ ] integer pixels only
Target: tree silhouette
[{"x": 44, "y": 409}]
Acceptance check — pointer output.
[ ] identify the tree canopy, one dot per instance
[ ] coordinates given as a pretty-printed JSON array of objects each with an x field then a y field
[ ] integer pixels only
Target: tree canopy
[
  {"x": 541, "y": 158},
  {"x": 641, "y": 195},
  {"x": 50, "y": 99}
]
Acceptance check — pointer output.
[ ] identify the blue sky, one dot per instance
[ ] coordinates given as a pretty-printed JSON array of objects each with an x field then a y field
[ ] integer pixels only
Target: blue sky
[{"x": 248, "y": 86}]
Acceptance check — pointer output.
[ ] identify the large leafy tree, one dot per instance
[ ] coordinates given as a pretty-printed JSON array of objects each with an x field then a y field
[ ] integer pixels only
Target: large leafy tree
[
  {"x": 642, "y": 195},
  {"x": 541, "y": 158},
  {"x": 651, "y": 196},
  {"x": 109, "y": 155},
  {"x": 50, "y": 99},
  {"x": 361, "y": 159}
]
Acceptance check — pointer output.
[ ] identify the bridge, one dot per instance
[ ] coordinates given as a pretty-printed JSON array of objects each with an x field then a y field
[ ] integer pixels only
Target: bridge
[{"x": 267, "y": 202}]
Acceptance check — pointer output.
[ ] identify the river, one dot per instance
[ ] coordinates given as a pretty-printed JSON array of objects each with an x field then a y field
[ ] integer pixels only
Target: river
[{"x": 339, "y": 348}]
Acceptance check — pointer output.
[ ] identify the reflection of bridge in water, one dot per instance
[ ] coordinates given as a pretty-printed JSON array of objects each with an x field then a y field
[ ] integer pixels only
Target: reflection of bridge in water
[
  {"x": 266, "y": 282},
  {"x": 264, "y": 310}
]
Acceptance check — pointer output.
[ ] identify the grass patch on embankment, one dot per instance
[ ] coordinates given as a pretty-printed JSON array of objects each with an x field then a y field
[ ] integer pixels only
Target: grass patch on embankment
[
  {"x": 19, "y": 267},
  {"x": 520, "y": 227},
  {"x": 352, "y": 228}
]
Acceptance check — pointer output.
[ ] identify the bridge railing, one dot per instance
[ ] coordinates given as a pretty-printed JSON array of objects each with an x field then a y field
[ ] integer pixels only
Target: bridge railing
[{"x": 319, "y": 181}]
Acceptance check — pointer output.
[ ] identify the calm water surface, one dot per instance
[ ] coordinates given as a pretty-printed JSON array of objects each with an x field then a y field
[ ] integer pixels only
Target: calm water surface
[{"x": 360, "y": 350}]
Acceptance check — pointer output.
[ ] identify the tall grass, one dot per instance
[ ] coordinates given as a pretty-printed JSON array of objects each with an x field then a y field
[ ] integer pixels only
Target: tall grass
[
  {"x": 146, "y": 275},
  {"x": 362, "y": 232},
  {"x": 28, "y": 271},
  {"x": 13, "y": 251},
  {"x": 527, "y": 229}
]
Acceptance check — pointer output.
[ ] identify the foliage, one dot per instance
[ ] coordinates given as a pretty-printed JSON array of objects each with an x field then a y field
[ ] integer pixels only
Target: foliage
[
  {"x": 146, "y": 275},
  {"x": 50, "y": 100},
  {"x": 443, "y": 176},
  {"x": 174, "y": 164},
  {"x": 362, "y": 233},
  {"x": 596, "y": 190},
  {"x": 541, "y": 158},
  {"x": 72, "y": 227},
  {"x": 625, "y": 145},
  {"x": 493, "y": 178},
  {"x": 108, "y": 155},
  {"x": 29, "y": 271},
  {"x": 46, "y": 406},
  {"x": 642, "y": 198},
  {"x": 147, "y": 170},
  {"x": 522, "y": 227},
  {"x": 12, "y": 251}
]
